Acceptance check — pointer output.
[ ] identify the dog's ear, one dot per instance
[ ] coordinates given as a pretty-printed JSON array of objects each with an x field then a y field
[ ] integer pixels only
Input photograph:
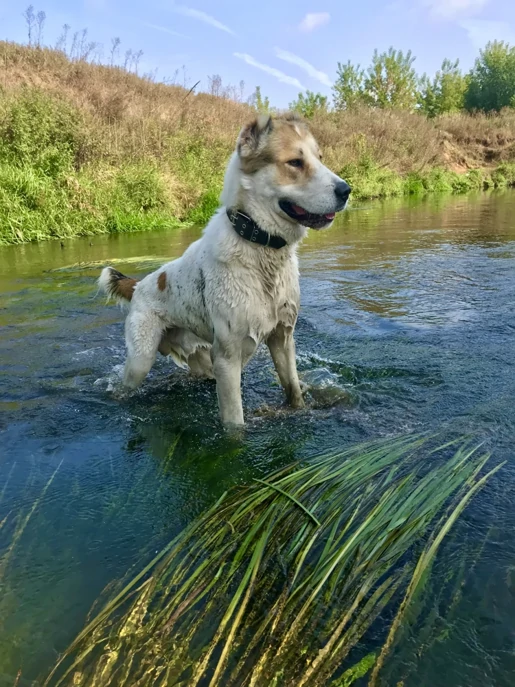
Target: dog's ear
[{"x": 252, "y": 137}]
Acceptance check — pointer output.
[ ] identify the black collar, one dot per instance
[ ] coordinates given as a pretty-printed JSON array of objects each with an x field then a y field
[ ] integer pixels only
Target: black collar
[{"x": 246, "y": 228}]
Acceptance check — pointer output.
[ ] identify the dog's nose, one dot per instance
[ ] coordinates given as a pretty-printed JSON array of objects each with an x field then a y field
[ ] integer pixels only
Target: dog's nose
[{"x": 342, "y": 191}]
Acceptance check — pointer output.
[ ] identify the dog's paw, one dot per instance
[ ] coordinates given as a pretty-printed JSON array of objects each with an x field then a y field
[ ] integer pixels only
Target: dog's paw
[
  {"x": 297, "y": 402},
  {"x": 113, "y": 382}
]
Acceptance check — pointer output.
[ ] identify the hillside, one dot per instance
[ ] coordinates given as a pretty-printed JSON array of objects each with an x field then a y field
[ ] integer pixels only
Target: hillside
[{"x": 86, "y": 149}]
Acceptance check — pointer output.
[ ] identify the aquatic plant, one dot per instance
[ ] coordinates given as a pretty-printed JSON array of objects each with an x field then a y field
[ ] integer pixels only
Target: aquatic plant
[
  {"x": 16, "y": 524},
  {"x": 280, "y": 580}
]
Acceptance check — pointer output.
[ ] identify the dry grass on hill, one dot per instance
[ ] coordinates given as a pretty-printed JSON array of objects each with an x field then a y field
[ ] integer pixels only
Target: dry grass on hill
[{"x": 86, "y": 148}]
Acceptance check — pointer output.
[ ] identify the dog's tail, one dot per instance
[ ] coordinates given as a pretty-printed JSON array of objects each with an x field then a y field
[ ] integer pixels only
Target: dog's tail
[{"x": 116, "y": 285}]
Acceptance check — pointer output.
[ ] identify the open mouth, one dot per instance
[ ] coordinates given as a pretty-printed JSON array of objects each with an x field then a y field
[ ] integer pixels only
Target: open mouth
[{"x": 307, "y": 219}]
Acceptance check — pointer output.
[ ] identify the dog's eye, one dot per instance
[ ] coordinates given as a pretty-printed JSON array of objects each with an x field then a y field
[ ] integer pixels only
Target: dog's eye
[{"x": 296, "y": 163}]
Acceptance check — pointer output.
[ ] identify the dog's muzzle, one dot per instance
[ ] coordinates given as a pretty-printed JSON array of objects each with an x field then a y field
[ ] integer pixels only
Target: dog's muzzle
[{"x": 342, "y": 191}]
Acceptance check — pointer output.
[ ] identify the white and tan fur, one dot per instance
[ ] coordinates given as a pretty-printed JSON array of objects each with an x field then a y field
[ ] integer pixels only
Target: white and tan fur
[{"x": 211, "y": 308}]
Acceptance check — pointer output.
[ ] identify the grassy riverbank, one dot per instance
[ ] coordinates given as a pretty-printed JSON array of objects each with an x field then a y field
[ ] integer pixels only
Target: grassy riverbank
[{"x": 88, "y": 149}]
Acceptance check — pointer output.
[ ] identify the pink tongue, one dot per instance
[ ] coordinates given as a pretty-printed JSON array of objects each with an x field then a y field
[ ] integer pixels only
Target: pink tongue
[
  {"x": 298, "y": 209},
  {"x": 330, "y": 215}
]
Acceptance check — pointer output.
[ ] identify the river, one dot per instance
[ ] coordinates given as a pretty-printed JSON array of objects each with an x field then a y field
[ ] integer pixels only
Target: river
[{"x": 407, "y": 324}]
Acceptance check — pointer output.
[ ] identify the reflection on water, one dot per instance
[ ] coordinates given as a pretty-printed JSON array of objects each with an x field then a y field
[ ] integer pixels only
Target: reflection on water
[{"x": 407, "y": 323}]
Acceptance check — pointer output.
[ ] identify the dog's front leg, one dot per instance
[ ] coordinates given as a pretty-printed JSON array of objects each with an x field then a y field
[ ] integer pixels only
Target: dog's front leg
[
  {"x": 282, "y": 348},
  {"x": 227, "y": 370}
]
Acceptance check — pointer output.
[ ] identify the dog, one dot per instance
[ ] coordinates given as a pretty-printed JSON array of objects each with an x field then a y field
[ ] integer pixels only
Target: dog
[{"x": 238, "y": 285}]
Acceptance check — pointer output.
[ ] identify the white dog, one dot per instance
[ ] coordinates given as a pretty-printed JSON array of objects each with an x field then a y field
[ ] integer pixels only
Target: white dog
[{"x": 238, "y": 285}]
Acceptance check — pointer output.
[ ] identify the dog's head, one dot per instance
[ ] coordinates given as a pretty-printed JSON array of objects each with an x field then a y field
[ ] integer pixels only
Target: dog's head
[{"x": 282, "y": 170}]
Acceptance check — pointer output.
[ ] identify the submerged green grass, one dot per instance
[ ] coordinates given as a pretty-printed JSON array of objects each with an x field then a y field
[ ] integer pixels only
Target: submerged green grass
[
  {"x": 279, "y": 581},
  {"x": 16, "y": 524}
]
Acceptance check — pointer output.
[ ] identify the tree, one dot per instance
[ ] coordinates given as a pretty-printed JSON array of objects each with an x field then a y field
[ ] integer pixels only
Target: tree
[
  {"x": 62, "y": 41},
  {"x": 428, "y": 100},
  {"x": 257, "y": 101},
  {"x": 40, "y": 23},
  {"x": 136, "y": 58},
  {"x": 127, "y": 60},
  {"x": 115, "y": 45},
  {"x": 446, "y": 92},
  {"x": 30, "y": 20},
  {"x": 492, "y": 79},
  {"x": 391, "y": 81},
  {"x": 348, "y": 90},
  {"x": 309, "y": 104},
  {"x": 214, "y": 85}
]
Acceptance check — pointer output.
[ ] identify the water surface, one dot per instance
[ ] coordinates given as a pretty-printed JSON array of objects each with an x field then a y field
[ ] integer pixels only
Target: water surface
[{"x": 407, "y": 324}]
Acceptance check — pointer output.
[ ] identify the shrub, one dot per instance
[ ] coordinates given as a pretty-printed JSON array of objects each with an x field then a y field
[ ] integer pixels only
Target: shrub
[
  {"x": 140, "y": 188},
  {"x": 44, "y": 131}
]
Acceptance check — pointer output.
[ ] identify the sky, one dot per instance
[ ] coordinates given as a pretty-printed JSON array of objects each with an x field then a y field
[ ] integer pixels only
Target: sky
[{"x": 284, "y": 47}]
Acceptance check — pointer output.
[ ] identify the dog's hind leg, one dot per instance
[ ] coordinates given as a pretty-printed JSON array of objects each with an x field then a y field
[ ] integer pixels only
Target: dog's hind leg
[
  {"x": 200, "y": 363},
  {"x": 143, "y": 332},
  {"x": 282, "y": 348}
]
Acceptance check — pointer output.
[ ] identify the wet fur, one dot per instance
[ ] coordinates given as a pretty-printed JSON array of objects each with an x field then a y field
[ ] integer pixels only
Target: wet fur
[{"x": 211, "y": 308}]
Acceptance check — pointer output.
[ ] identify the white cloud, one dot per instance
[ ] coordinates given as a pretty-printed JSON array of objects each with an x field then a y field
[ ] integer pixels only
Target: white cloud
[
  {"x": 279, "y": 75},
  {"x": 480, "y": 31},
  {"x": 201, "y": 16},
  {"x": 452, "y": 9},
  {"x": 313, "y": 20},
  {"x": 303, "y": 64},
  {"x": 164, "y": 29}
]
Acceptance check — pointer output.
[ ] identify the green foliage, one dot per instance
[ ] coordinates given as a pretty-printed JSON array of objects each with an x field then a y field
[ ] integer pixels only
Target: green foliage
[
  {"x": 504, "y": 175},
  {"x": 414, "y": 185},
  {"x": 194, "y": 161},
  {"x": 32, "y": 206},
  {"x": 371, "y": 181},
  {"x": 492, "y": 80},
  {"x": 348, "y": 90},
  {"x": 135, "y": 200},
  {"x": 35, "y": 206},
  {"x": 391, "y": 81},
  {"x": 309, "y": 104},
  {"x": 50, "y": 189},
  {"x": 446, "y": 92},
  {"x": 280, "y": 580},
  {"x": 368, "y": 180},
  {"x": 141, "y": 187},
  {"x": 261, "y": 104},
  {"x": 440, "y": 180},
  {"x": 120, "y": 220},
  {"x": 205, "y": 207},
  {"x": 44, "y": 131},
  {"x": 477, "y": 179},
  {"x": 355, "y": 672}
]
